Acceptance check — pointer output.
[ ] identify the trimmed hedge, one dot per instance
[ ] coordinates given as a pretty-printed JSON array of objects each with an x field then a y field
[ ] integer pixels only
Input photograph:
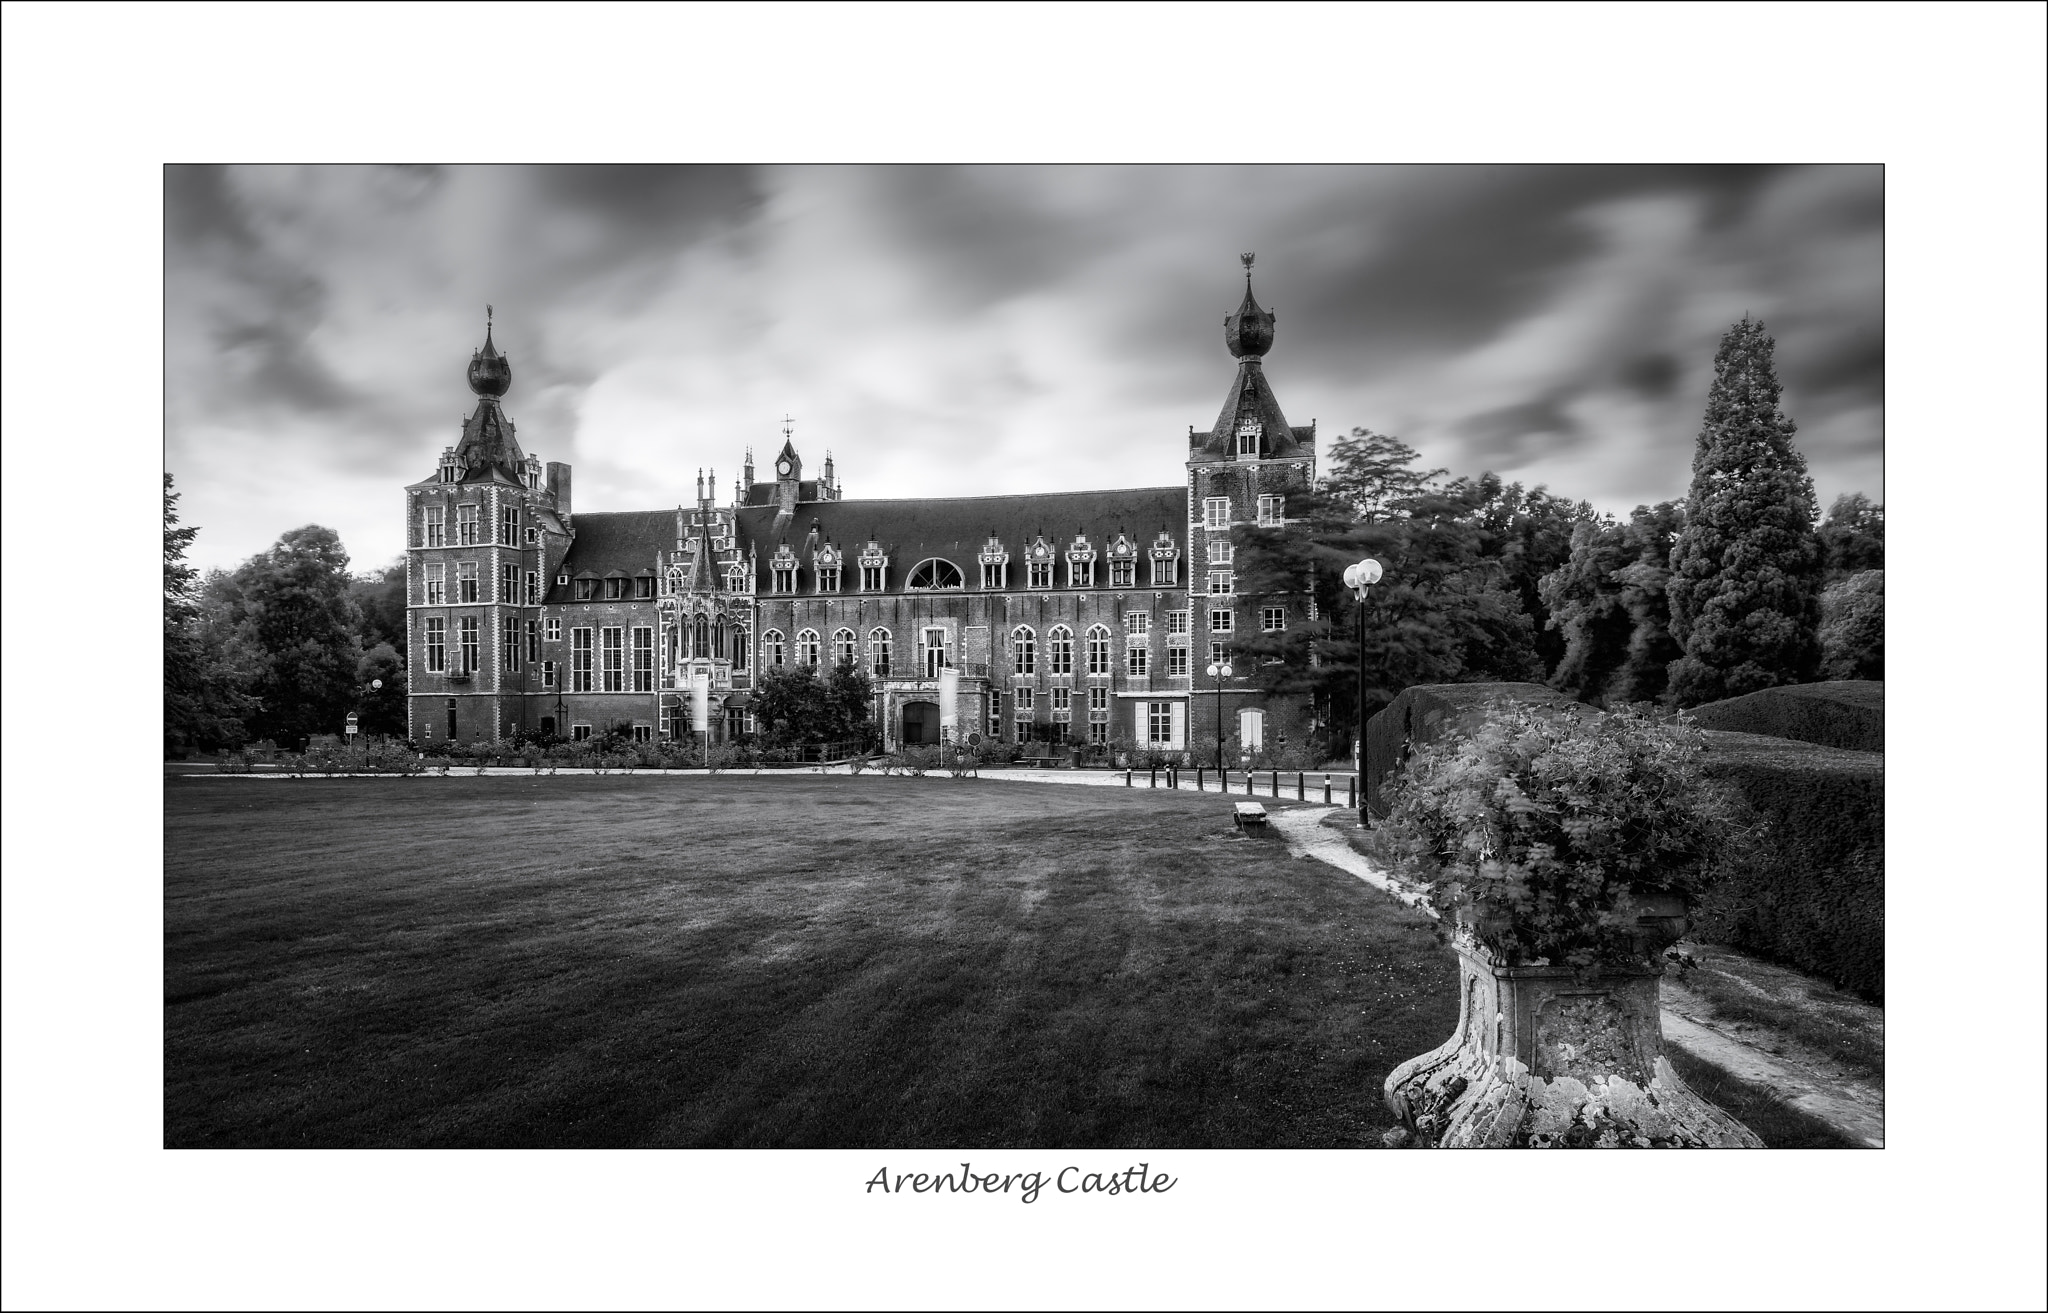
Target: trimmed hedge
[
  {"x": 1424, "y": 712},
  {"x": 1813, "y": 897},
  {"x": 1841, "y": 713}
]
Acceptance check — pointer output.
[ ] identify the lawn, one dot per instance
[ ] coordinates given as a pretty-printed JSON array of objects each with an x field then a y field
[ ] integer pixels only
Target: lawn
[{"x": 788, "y": 961}]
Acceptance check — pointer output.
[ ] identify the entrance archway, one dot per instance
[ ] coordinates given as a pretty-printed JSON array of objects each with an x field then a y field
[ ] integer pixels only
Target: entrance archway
[{"x": 920, "y": 722}]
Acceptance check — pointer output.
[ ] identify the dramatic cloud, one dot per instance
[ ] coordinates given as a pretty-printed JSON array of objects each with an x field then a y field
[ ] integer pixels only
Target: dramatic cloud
[{"x": 953, "y": 331}]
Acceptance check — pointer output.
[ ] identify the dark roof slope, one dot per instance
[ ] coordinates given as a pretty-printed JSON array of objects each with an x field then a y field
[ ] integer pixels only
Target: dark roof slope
[
  {"x": 629, "y": 542},
  {"x": 954, "y": 528},
  {"x": 1251, "y": 397}
]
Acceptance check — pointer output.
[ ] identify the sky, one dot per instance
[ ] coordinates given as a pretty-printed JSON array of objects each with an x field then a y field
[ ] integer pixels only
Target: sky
[{"x": 958, "y": 331}]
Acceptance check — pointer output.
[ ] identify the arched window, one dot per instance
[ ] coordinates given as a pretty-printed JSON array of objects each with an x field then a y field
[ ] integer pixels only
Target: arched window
[
  {"x": 700, "y": 642},
  {"x": 807, "y": 647},
  {"x": 739, "y": 648},
  {"x": 878, "y": 651},
  {"x": 1098, "y": 651},
  {"x": 845, "y": 648},
  {"x": 936, "y": 573},
  {"x": 1025, "y": 644},
  {"x": 718, "y": 638},
  {"x": 1059, "y": 650},
  {"x": 771, "y": 647}
]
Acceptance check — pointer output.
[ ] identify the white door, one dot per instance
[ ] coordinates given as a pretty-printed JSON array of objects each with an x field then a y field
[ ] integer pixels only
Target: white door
[{"x": 1251, "y": 729}]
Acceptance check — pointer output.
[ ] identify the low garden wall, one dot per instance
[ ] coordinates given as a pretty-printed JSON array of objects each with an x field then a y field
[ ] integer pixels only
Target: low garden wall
[
  {"x": 1841, "y": 713},
  {"x": 1813, "y": 895}
]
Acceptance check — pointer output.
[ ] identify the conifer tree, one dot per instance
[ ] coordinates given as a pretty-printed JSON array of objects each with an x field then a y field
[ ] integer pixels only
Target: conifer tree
[{"x": 1745, "y": 571}]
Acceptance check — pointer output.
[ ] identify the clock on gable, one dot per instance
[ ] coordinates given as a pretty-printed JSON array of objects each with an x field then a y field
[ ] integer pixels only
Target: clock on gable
[{"x": 782, "y": 468}]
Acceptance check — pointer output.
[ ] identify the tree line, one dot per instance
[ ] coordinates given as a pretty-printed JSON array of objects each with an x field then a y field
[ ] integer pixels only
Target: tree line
[{"x": 1738, "y": 586}]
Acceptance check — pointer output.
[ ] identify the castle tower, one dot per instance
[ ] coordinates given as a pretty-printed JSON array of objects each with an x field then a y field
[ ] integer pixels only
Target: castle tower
[
  {"x": 481, "y": 535},
  {"x": 1240, "y": 475}
]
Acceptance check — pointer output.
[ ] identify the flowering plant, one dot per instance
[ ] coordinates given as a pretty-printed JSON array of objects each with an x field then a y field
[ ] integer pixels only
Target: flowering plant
[{"x": 1546, "y": 834}]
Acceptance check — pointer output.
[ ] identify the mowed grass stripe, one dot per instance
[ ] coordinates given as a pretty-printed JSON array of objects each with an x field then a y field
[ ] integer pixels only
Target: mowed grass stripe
[{"x": 791, "y": 961}]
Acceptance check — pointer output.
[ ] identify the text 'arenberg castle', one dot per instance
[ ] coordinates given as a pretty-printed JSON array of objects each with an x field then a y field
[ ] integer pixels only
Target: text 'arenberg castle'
[{"x": 1074, "y": 615}]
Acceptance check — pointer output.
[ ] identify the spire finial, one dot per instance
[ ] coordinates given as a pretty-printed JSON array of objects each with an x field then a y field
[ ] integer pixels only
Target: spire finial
[
  {"x": 787, "y": 425},
  {"x": 1247, "y": 258}
]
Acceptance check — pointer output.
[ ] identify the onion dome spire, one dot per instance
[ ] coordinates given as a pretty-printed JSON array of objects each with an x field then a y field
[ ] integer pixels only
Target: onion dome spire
[
  {"x": 490, "y": 374},
  {"x": 1249, "y": 332}
]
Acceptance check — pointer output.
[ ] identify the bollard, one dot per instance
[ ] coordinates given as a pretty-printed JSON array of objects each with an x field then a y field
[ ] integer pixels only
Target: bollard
[
  {"x": 1155, "y": 770},
  {"x": 1326, "y": 790},
  {"x": 1247, "y": 784},
  {"x": 1351, "y": 792},
  {"x": 1198, "y": 779},
  {"x": 1300, "y": 787},
  {"x": 1127, "y": 779}
]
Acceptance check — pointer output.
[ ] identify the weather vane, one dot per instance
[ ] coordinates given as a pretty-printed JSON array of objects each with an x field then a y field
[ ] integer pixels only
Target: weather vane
[
  {"x": 787, "y": 422},
  {"x": 1247, "y": 258},
  {"x": 487, "y": 312}
]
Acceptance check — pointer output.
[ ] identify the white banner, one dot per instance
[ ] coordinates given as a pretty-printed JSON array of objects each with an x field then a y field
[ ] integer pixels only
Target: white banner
[
  {"x": 949, "y": 698},
  {"x": 700, "y": 702}
]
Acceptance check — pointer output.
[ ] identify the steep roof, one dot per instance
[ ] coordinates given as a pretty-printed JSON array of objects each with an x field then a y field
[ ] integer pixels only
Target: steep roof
[
  {"x": 628, "y": 542},
  {"x": 955, "y": 528},
  {"x": 1251, "y": 397}
]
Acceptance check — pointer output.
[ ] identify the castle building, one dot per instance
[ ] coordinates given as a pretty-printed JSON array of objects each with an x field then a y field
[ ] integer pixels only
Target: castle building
[{"x": 1087, "y": 616}]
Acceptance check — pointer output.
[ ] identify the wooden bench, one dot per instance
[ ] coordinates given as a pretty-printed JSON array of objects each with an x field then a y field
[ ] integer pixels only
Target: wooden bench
[{"x": 1247, "y": 814}]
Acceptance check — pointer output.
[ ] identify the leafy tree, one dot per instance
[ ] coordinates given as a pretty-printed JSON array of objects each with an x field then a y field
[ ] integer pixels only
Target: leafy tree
[
  {"x": 204, "y": 702},
  {"x": 1852, "y": 627},
  {"x": 791, "y": 706},
  {"x": 1370, "y": 474},
  {"x": 849, "y": 705},
  {"x": 381, "y": 710},
  {"x": 1530, "y": 534},
  {"x": 1852, "y": 537},
  {"x": 1746, "y": 569},
  {"x": 300, "y": 624},
  {"x": 380, "y": 596},
  {"x": 1607, "y": 604}
]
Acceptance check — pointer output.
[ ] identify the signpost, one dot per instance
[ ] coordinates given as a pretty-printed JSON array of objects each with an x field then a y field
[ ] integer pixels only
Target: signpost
[
  {"x": 700, "y": 712},
  {"x": 349, "y": 727}
]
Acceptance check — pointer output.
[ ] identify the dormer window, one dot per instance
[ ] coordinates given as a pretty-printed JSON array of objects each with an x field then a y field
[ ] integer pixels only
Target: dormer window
[
  {"x": 615, "y": 588},
  {"x": 1080, "y": 563},
  {"x": 735, "y": 578},
  {"x": 826, "y": 562},
  {"x": 874, "y": 568},
  {"x": 785, "y": 578},
  {"x": 643, "y": 588},
  {"x": 995, "y": 565},
  {"x": 586, "y": 590},
  {"x": 935, "y": 574},
  {"x": 675, "y": 580},
  {"x": 1165, "y": 570},
  {"x": 1249, "y": 431}
]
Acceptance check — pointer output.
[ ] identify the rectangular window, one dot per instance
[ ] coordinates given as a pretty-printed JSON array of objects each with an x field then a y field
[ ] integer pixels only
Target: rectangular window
[
  {"x": 437, "y": 644},
  {"x": 1219, "y": 551},
  {"x": 532, "y": 535},
  {"x": 465, "y": 582},
  {"x": 554, "y": 629},
  {"x": 533, "y": 640},
  {"x": 579, "y": 661},
  {"x": 1098, "y": 702},
  {"x": 1221, "y": 621},
  {"x": 643, "y": 733},
  {"x": 1216, "y": 513},
  {"x": 533, "y": 588},
  {"x": 1041, "y": 574},
  {"x": 1165, "y": 572},
  {"x": 828, "y": 579},
  {"x": 508, "y": 584},
  {"x": 1272, "y": 618},
  {"x": 508, "y": 526},
  {"x": 614, "y": 660},
  {"x": 547, "y": 674},
  {"x": 1026, "y": 700},
  {"x": 1062, "y": 704},
  {"x": 1271, "y": 512},
  {"x": 471, "y": 656},
  {"x": 465, "y": 526},
  {"x": 1177, "y": 661},
  {"x": 1138, "y": 623},
  {"x": 1218, "y": 653},
  {"x": 437, "y": 584},
  {"x": 1121, "y": 572},
  {"x": 643, "y": 660},
  {"x": 437, "y": 527},
  {"x": 1222, "y": 581},
  {"x": 992, "y": 574},
  {"x": 1139, "y": 659},
  {"x": 1176, "y": 623},
  {"x": 785, "y": 579},
  {"x": 934, "y": 652},
  {"x": 643, "y": 588},
  {"x": 1080, "y": 574},
  {"x": 615, "y": 588},
  {"x": 1098, "y": 730},
  {"x": 579, "y": 732},
  {"x": 871, "y": 578},
  {"x": 508, "y": 644},
  {"x": 586, "y": 590},
  {"x": 1159, "y": 722}
]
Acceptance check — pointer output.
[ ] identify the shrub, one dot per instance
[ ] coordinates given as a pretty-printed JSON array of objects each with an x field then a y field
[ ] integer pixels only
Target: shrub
[
  {"x": 1813, "y": 897},
  {"x": 963, "y": 765},
  {"x": 1541, "y": 829},
  {"x": 1423, "y": 713},
  {"x": 232, "y": 763},
  {"x": 1839, "y": 714},
  {"x": 1852, "y": 627},
  {"x": 913, "y": 759}
]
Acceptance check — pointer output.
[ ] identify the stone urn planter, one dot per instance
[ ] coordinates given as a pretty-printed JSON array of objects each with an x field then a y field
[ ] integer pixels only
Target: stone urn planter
[{"x": 1546, "y": 1057}]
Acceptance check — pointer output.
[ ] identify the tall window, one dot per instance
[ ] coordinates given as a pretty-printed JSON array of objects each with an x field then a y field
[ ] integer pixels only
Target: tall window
[
  {"x": 1098, "y": 651},
  {"x": 437, "y": 644},
  {"x": 871, "y": 578},
  {"x": 465, "y": 582},
  {"x": 785, "y": 578},
  {"x": 1098, "y": 714},
  {"x": 934, "y": 644},
  {"x": 845, "y": 648},
  {"x": 554, "y": 629},
  {"x": 471, "y": 657},
  {"x": 437, "y": 527},
  {"x": 547, "y": 674},
  {"x": 828, "y": 578},
  {"x": 1216, "y": 512},
  {"x": 1159, "y": 722},
  {"x": 1059, "y": 651},
  {"x": 1139, "y": 657},
  {"x": 614, "y": 656},
  {"x": 533, "y": 588},
  {"x": 437, "y": 584},
  {"x": 1270, "y": 510},
  {"x": 465, "y": 525},
  {"x": 993, "y": 574},
  {"x": 1041, "y": 574},
  {"x": 735, "y": 579},
  {"x": 533, "y": 640},
  {"x": 1165, "y": 572},
  {"x": 508, "y": 644},
  {"x": 532, "y": 535},
  {"x": 1272, "y": 618},
  {"x": 1121, "y": 572},
  {"x": 580, "y": 680},
  {"x": 807, "y": 647},
  {"x": 508, "y": 584},
  {"x": 1062, "y": 705},
  {"x": 508, "y": 526},
  {"x": 878, "y": 651},
  {"x": 643, "y": 659},
  {"x": 1177, "y": 659},
  {"x": 739, "y": 647},
  {"x": 771, "y": 648},
  {"x": 1025, "y": 644},
  {"x": 1080, "y": 574}
]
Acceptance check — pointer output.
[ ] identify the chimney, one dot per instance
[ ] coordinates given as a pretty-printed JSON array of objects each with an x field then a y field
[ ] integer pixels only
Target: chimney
[{"x": 558, "y": 485}]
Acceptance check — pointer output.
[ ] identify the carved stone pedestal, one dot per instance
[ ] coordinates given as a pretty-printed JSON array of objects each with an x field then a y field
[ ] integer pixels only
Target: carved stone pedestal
[{"x": 1543, "y": 1060}]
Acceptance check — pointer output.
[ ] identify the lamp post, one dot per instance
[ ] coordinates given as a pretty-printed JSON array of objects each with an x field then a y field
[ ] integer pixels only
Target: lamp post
[
  {"x": 1219, "y": 671},
  {"x": 1358, "y": 578}
]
